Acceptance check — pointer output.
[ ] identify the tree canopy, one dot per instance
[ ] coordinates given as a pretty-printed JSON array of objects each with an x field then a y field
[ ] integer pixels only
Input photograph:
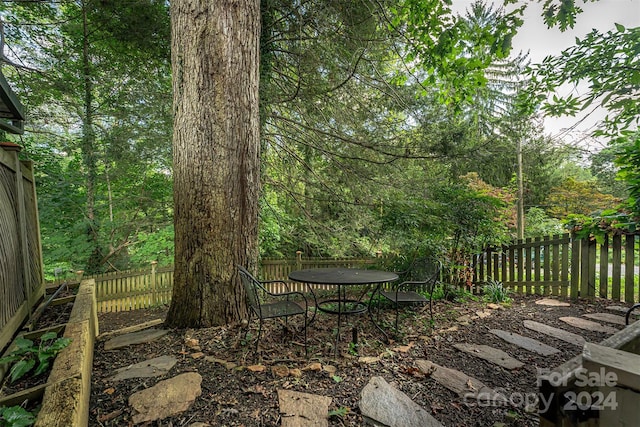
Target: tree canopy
[{"x": 384, "y": 125}]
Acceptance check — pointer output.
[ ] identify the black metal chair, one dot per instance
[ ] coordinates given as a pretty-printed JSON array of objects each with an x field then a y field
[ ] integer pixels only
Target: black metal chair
[
  {"x": 421, "y": 277},
  {"x": 278, "y": 304}
]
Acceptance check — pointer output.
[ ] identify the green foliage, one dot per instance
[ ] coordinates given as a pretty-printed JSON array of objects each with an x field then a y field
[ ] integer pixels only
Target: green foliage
[
  {"x": 27, "y": 354},
  {"x": 538, "y": 223},
  {"x": 629, "y": 162},
  {"x": 608, "y": 63},
  {"x": 341, "y": 412},
  {"x": 495, "y": 292},
  {"x": 15, "y": 416},
  {"x": 336, "y": 378}
]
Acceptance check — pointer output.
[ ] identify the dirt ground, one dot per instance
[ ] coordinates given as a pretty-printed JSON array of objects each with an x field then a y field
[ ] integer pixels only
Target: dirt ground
[{"x": 237, "y": 396}]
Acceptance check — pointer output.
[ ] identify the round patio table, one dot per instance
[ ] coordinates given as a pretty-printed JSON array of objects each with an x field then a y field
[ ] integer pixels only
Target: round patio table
[{"x": 342, "y": 278}]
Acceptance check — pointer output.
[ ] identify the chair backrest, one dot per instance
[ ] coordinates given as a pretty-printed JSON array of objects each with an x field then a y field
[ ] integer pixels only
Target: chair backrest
[
  {"x": 423, "y": 270},
  {"x": 251, "y": 287}
]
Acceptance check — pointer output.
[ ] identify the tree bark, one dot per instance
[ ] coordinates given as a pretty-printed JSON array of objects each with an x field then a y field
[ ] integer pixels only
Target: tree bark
[{"x": 216, "y": 149}]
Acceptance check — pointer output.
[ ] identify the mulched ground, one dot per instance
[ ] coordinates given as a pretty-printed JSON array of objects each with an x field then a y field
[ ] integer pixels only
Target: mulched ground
[{"x": 240, "y": 397}]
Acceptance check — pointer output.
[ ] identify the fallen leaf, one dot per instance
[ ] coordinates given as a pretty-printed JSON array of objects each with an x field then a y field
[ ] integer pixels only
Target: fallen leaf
[
  {"x": 405, "y": 348},
  {"x": 110, "y": 390},
  {"x": 257, "y": 368},
  {"x": 315, "y": 366},
  {"x": 280, "y": 371}
]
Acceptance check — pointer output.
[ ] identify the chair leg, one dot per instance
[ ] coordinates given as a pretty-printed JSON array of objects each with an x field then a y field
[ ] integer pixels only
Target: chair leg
[
  {"x": 433, "y": 285},
  {"x": 397, "y": 314},
  {"x": 306, "y": 351},
  {"x": 259, "y": 333}
]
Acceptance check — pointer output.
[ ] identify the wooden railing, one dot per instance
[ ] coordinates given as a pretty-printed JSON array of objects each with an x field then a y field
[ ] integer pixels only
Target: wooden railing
[
  {"x": 21, "y": 274},
  {"x": 565, "y": 266}
]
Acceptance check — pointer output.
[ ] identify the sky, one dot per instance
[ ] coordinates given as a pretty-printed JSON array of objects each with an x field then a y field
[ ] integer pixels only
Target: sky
[{"x": 534, "y": 37}]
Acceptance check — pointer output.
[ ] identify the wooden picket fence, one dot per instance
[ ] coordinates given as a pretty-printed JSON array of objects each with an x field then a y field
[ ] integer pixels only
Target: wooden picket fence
[
  {"x": 565, "y": 266},
  {"x": 135, "y": 289},
  {"x": 557, "y": 265}
]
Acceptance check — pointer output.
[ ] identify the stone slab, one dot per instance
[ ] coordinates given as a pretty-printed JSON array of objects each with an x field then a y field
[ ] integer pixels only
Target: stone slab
[
  {"x": 459, "y": 382},
  {"x": 588, "y": 325},
  {"x": 606, "y": 317},
  {"x": 139, "y": 337},
  {"x": 554, "y": 332},
  {"x": 552, "y": 302},
  {"x": 303, "y": 409},
  {"x": 618, "y": 308},
  {"x": 529, "y": 344},
  {"x": 490, "y": 354},
  {"x": 382, "y": 404},
  {"x": 166, "y": 398},
  {"x": 149, "y": 368}
]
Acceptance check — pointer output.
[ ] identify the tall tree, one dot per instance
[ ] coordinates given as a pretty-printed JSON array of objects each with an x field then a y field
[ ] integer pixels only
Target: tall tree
[{"x": 216, "y": 148}]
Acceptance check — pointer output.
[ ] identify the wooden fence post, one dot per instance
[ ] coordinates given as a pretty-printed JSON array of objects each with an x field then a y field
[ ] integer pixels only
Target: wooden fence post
[
  {"x": 298, "y": 260},
  {"x": 575, "y": 266},
  {"x": 629, "y": 268},
  {"x": 154, "y": 295}
]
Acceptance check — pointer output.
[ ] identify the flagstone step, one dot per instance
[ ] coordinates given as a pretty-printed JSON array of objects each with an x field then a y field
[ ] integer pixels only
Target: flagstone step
[
  {"x": 139, "y": 337},
  {"x": 490, "y": 354},
  {"x": 149, "y": 368},
  {"x": 623, "y": 310},
  {"x": 384, "y": 405},
  {"x": 554, "y": 332},
  {"x": 524, "y": 342},
  {"x": 606, "y": 317},
  {"x": 551, "y": 302},
  {"x": 459, "y": 382},
  {"x": 588, "y": 325},
  {"x": 303, "y": 409}
]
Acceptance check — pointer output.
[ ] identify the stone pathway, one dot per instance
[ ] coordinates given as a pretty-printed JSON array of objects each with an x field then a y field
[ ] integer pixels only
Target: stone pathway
[
  {"x": 380, "y": 402},
  {"x": 132, "y": 338},
  {"x": 526, "y": 343},
  {"x": 558, "y": 333},
  {"x": 588, "y": 325},
  {"x": 490, "y": 354},
  {"x": 606, "y": 317}
]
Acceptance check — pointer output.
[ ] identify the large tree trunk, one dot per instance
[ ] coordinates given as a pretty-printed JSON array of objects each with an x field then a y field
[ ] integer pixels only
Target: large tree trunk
[{"x": 216, "y": 148}]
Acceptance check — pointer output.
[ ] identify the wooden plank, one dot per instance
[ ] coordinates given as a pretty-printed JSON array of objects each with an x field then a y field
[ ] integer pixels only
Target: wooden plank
[
  {"x": 529, "y": 344},
  {"x": 604, "y": 268},
  {"x": 621, "y": 363},
  {"x": 588, "y": 325},
  {"x": 490, "y": 354},
  {"x": 537, "y": 264},
  {"x": 629, "y": 270},
  {"x": 564, "y": 275},
  {"x": 527, "y": 266},
  {"x": 554, "y": 332},
  {"x": 555, "y": 268},
  {"x": 584, "y": 268},
  {"x": 616, "y": 272},
  {"x": 575, "y": 268}
]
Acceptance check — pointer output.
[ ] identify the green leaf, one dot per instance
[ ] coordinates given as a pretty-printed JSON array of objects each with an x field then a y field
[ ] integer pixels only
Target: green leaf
[
  {"x": 21, "y": 368},
  {"x": 17, "y": 416},
  {"x": 620, "y": 27},
  {"x": 48, "y": 336},
  {"x": 42, "y": 367}
]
